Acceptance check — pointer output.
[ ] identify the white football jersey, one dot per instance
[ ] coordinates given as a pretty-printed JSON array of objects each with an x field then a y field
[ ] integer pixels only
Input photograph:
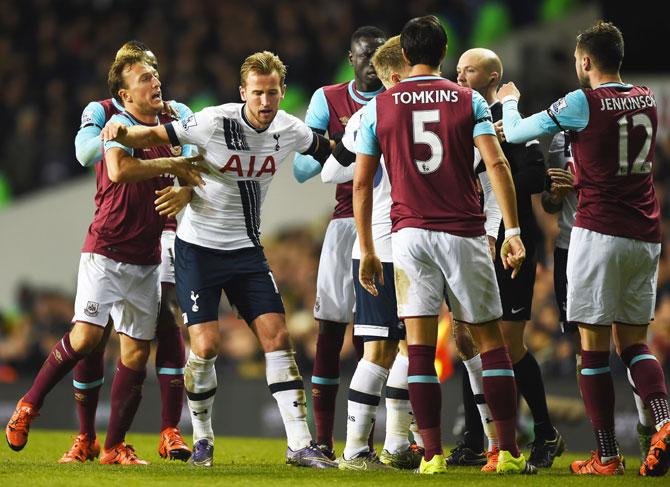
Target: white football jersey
[
  {"x": 381, "y": 193},
  {"x": 560, "y": 156},
  {"x": 242, "y": 161}
]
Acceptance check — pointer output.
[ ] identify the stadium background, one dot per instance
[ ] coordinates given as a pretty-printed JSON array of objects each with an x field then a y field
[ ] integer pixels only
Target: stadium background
[{"x": 54, "y": 58}]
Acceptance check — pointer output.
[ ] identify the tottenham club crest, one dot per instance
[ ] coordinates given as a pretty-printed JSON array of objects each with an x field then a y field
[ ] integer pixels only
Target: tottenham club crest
[
  {"x": 92, "y": 309},
  {"x": 194, "y": 297},
  {"x": 276, "y": 137}
]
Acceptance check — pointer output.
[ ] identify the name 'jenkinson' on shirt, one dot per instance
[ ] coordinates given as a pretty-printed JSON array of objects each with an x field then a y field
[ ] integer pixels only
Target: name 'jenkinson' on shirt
[{"x": 630, "y": 103}]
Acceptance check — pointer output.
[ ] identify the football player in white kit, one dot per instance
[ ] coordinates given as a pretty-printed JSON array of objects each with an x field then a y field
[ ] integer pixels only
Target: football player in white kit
[{"x": 218, "y": 244}]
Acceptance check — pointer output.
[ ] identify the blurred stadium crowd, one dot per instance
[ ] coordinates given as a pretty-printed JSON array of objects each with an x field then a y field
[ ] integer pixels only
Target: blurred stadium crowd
[{"x": 54, "y": 58}]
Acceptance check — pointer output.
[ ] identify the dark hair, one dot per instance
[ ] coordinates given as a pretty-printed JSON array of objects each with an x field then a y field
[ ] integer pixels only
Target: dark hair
[
  {"x": 603, "y": 42},
  {"x": 115, "y": 80},
  {"x": 424, "y": 41},
  {"x": 367, "y": 32}
]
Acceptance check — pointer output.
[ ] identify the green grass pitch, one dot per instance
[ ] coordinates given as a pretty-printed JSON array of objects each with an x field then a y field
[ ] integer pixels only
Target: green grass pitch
[{"x": 253, "y": 462}]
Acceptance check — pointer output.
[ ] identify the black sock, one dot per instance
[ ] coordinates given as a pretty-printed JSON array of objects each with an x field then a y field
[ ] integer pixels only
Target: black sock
[
  {"x": 530, "y": 385},
  {"x": 473, "y": 437}
]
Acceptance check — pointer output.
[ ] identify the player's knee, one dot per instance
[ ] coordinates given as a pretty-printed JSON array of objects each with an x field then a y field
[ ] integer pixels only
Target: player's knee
[
  {"x": 464, "y": 342},
  {"x": 85, "y": 337},
  {"x": 279, "y": 340},
  {"x": 206, "y": 350},
  {"x": 136, "y": 355}
]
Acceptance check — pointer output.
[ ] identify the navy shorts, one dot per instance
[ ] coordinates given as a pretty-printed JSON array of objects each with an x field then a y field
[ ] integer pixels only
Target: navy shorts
[
  {"x": 516, "y": 295},
  {"x": 244, "y": 275},
  {"x": 561, "y": 289},
  {"x": 376, "y": 317}
]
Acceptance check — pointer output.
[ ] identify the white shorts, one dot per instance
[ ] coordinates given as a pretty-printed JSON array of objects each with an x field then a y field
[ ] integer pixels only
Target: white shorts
[
  {"x": 129, "y": 293},
  {"x": 429, "y": 265},
  {"x": 334, "y": 283},
  {"x": 166, "y": 267},
  {"x": 611, "y": 279}
]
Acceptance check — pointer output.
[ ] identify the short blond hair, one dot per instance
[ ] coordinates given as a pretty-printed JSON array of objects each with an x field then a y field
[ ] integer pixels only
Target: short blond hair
[
  {"x": 388, "y": 59},
  {"x": 137, "y": 47},
  {"x": 265, "y": 62}
]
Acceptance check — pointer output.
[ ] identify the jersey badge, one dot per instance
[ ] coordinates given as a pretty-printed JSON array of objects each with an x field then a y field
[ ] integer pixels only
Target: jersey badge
[
  {"x": 92, "y": 309},
  {"x": 276, "y": 137},
  {"x": 189, "y": 122},
  {"x": 194, "y": 297},
  {"x": 559, "y": 106}
]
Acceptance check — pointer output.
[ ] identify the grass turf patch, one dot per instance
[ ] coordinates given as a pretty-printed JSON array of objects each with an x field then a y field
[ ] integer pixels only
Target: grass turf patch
[{"x": 253, "y": 462}]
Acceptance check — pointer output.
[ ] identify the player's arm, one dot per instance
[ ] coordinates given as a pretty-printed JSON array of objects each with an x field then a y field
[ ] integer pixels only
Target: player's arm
[
  {"x": 339, "y": 168},
  {"x": 559, "y": 181},
  {"x": 137, "y": 136},
  {"x": 568, "y": 113},
  {"x": 491, "y": 212},
  {"x": 88, "y": 147},
  {"x": 124, "y": 168},
  {"x": 367, "y": 162},
  {"x": 317, "y": 118}
]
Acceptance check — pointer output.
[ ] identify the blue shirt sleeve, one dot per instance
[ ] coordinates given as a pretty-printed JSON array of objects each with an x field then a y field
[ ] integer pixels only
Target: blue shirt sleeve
[
  {"x": 112, "y": 143},
  {"x": 317, "y": 117},
  {"x": 318, "y": 114},
  {"x": 87, "y": 143},
  {"x": 483, "y": 118},
  {"x": 568, "y": 113},
  {"x": 367, "y": 142},
  {"x": 184, "y": 112}
]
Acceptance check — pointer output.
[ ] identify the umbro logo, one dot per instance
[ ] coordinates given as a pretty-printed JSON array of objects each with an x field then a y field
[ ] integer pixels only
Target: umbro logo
[{"x": 298, "y": 403}]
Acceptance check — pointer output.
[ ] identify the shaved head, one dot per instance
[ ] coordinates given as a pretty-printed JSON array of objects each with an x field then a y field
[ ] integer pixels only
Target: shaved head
[
  {"x": 486, "y": 59},
  {"x": 481, "y": 70}
]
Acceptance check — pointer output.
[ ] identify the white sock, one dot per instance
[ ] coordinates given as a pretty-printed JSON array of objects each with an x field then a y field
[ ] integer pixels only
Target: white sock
[
  {"x": 364, "y": 395},
  {"x": 287, "y": 388},
  {"x": 643, "y": 414},
  {"x": 474, "y": 368},
  {"x": 398, "y": 407},
  {"x": 200, "y": 385}
]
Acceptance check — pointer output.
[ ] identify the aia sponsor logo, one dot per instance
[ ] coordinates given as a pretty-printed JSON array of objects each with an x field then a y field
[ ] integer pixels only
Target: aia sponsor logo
[{"x": 234, "y": 164}]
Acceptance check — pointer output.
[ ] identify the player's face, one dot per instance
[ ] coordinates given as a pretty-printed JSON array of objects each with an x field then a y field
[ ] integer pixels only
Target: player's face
[
  {"x": 583, "y": 78},
  {"x": 360, "y": 55},
  {"x": 471, "y": 74},
  {"x": 262, "y": 94},
  {"x": 143, "y": 88}
]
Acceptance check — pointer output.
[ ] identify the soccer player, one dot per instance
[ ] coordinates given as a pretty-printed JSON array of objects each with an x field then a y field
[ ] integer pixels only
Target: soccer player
[
  {"x": 218, "y": 244},
  {"x": 118, "y": 272},
  {"x": 561, "y": 198},
  {"x": 376, "y": 318},
  {"x": 616, "y": 240},
  {"x": 88, "y": 374},
  {"x": 481, "y": 70},
  {"x": 427, "y": 127},
  {"x": 329, "y": 110}
]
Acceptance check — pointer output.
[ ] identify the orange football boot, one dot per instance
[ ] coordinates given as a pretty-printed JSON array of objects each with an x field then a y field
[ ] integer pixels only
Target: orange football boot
[
  {"x": 657, "y": 462},
  {"x": 18, "y": 426},
  {"x": 121, "y": 454},
  {"x": 491, "y": 460},
  {"x": 593, "y": 466},
  {"x": 82, "y": 449},
  {"x": 172, "y": 445}
]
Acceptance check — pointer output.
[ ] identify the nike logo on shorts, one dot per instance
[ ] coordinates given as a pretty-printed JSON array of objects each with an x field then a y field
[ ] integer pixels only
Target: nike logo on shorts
[{"x": 517, "y": 310}]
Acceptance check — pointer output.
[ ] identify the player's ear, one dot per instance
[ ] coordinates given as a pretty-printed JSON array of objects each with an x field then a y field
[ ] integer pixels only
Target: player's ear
[
  {"x": 395, "y": 78},
  {"x": 350, "y": 56},
  {"x": 243, "y": 93},
  {"x": 125, "y": 96},
  {"x": 283, "y": 91}
]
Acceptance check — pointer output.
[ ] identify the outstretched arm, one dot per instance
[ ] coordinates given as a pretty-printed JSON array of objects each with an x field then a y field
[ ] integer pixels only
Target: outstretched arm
[{"x": 137, "y": 136}]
